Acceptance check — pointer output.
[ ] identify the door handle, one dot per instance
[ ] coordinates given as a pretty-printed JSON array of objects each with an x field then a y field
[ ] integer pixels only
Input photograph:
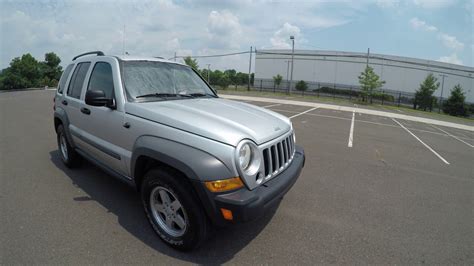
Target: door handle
[
  {"x": 85, "y": 111},
  {"x": 64, "y": 102}
]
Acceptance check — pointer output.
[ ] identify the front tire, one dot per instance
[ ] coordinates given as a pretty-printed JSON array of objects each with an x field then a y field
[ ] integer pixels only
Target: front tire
[
  {"x": 68, "y": 155},
  {"x": 173, "y": 210}
]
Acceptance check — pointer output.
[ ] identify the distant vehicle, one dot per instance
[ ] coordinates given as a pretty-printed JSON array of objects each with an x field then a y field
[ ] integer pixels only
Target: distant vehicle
[{"x": 197, "y": 160}]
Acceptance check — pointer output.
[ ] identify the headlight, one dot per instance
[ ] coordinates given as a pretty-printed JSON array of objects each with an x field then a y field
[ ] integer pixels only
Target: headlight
[
  {"x": 248, "y": 159},
  {"x": 245, "y": 155}
]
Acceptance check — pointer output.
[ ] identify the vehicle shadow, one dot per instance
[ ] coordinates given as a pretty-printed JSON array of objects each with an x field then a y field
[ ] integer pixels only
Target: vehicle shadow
[{"x": 123, "y": 201}]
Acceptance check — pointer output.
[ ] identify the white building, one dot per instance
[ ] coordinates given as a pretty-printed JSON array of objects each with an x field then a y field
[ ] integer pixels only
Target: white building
[{"x": 341, "y": 70}]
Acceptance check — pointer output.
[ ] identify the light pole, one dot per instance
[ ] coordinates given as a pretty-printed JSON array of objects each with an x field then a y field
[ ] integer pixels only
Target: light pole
[
  {"x": 208, "y": 70},
  {"x": 287, "y": 70},
  {"x": 292, "y": 38},
  {"x": 441, "y": 96}
]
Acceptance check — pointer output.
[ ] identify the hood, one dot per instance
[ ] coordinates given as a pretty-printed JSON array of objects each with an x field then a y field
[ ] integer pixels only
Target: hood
[{"x": 215, "y": 118}]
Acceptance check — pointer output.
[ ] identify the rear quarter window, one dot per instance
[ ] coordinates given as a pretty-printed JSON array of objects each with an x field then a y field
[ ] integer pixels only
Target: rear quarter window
[{"x": 63, "y": 79}]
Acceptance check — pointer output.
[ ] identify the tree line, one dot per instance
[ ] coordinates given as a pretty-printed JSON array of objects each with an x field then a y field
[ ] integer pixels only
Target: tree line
[
  {"x": 220, "y": 78},
  {"x": 27, "y": 72}
]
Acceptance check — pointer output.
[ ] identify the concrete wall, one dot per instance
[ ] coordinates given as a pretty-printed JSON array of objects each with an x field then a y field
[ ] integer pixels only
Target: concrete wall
[{"x": 400, "y": 73}]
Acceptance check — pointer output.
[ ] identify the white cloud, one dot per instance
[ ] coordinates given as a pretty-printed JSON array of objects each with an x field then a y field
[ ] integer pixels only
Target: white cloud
[
  {"x": 416, "y": 23},
  {"x": 224, "y": 30},
  {"x": 388, "y": 3},
  {"x": 453, "y": 59},
  {"x": 281, "y": 38},
  {"x": 451, "y": 41},
  {"x": 434, "y": 4},
  {"x": 447, "y": 40}
]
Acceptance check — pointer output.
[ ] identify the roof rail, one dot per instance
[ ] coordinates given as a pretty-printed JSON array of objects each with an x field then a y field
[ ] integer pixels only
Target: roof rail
[
  {"x": 159, "y": 57},
  {"x": 99, "y": 53}
]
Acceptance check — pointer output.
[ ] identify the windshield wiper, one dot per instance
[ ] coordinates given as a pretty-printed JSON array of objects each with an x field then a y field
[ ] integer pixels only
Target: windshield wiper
[
  {"x": 162, "y": 95},
  {"x": 202, "y": 95}
]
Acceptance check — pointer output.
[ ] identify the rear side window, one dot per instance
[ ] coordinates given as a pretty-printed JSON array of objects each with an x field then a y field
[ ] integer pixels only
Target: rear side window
[
  {"x": 63, "y": 79},
  {"x": 77, "y": 80},
  {"x": 101, "y": 79}
]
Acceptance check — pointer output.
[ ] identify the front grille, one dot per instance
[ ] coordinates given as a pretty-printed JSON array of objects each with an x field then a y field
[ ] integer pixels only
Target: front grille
[{"x": 278, "y": 156}]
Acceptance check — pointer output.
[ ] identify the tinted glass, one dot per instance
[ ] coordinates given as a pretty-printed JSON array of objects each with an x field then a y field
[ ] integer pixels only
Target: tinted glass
[
  {"x": 101, "y": 79},
  {"x": 75, "y": 86},
  {"x": 63, "y": 79}
]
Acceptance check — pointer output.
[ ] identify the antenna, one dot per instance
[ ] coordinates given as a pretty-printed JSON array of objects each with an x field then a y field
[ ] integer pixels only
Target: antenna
[{"x": 123, "y": 40}]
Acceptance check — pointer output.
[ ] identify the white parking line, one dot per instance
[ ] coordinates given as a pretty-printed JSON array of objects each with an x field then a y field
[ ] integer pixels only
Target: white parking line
[
  {"x": 302, "y": 113},
  {"x": 351, "y": 132},
  {"x": 271, "y": 105},
  {"x": 449, "y": 134},
  {"x": 426, "y": 145}
]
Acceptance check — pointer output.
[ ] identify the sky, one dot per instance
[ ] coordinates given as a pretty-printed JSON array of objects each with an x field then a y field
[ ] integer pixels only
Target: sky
[{"x": 439, "y": 30}]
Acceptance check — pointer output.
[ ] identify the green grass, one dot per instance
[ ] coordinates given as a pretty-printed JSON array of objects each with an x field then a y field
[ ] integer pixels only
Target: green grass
[{"x": 297, "y": 95}]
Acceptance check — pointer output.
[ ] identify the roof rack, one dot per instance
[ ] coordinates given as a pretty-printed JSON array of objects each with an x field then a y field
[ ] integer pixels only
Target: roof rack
[{"x": 99, "y": 53}]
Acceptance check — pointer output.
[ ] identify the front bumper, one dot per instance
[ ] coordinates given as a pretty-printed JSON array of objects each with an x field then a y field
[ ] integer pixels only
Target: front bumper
[{"x": 247, "y": 205}]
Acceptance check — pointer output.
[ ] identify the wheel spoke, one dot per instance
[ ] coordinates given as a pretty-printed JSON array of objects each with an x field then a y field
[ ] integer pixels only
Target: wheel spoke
[
  {"x": 175, "y": 205},
  {"x": 165, "y": 198},
  {"x": 179, "y": 221},
  {"x": 169, "y": 221},
  {"x": 159, "y": 207}
]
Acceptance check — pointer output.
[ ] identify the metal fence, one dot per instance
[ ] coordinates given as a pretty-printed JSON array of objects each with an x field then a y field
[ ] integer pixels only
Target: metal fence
[{"x": 341, "y": 91}]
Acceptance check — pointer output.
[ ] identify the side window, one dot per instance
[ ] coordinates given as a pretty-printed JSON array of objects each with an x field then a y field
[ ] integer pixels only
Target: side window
[
  {"x": 102, "y": 79},
  {"x": 63, "y": 79},
  {"x": 77, "y": 80}
]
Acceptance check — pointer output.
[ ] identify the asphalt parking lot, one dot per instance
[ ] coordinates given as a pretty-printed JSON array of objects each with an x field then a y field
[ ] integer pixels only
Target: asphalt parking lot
[{"x": 392, "y": 191}]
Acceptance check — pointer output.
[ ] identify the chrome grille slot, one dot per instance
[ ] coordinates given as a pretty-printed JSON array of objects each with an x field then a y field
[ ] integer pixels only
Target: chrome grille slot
[
  {"x": 278, "y": 155},
  {"x": 267, "y": 161}
]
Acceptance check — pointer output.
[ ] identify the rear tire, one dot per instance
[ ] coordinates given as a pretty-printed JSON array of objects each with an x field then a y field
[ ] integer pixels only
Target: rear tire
[
  {"x": 68, "y": 155},
  {"x": 173, "y": 209}
]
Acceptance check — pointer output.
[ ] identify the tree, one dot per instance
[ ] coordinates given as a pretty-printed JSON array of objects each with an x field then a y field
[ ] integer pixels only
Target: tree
[
  {"x": 424, "y": 95},
  {"x": 232, "y": 75},
  {"x": 277, "y": 80},
  {"x": 369, "y": 82},
  {"x": 22, "y": 73},
  {"x": 455, "y": 105},
  {"x": 301, "y": 85},
  {"x": 191, "y": 62},
  {"x": 50, "y": 70}
]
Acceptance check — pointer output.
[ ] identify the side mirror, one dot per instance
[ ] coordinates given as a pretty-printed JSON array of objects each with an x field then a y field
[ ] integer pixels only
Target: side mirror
[{"x": 97, "y": 98}]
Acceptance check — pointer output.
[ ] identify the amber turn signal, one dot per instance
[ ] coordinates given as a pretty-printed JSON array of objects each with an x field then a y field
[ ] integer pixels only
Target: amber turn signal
[
  {"x": 224, "y": 185},
  {"x": 227, "y": 214}
]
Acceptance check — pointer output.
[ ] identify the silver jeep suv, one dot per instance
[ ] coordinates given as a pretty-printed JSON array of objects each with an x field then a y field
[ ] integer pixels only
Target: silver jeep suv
[{"x": 197, "y": 159}]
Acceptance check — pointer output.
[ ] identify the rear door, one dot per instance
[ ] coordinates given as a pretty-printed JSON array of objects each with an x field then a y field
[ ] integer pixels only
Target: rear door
[{"x": 71, "y": 101}]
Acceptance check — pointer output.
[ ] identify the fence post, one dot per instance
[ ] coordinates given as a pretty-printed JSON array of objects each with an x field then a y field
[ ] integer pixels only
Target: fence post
[
  {"x": 399, "y": 98},
  {"x": 319, "y": 87},
  {"x": 383, "y": 96},
  {"x": 261, "y": 85},
  {"x": 350, "y": 94},
  {"x": 334, "y": 92}
]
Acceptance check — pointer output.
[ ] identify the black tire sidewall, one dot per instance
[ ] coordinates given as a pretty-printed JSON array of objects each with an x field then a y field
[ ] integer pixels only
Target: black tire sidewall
[
  {"x": 72, "y": 159},
  {"x": 196, "y": 224}
]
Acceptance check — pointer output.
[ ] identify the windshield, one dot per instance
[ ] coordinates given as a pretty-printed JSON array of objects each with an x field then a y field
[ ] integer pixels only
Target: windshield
[{"x": 146, "y": 79}]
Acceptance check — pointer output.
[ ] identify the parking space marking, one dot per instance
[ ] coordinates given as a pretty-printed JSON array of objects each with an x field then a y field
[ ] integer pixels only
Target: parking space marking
[
  {"x": 271, "y": 105},
  {"x": 302, "y": 113},
  {"x": 449, "y": 134},
  {"x": 351, "y": 132},
  {"x": 426, "y": 145}
]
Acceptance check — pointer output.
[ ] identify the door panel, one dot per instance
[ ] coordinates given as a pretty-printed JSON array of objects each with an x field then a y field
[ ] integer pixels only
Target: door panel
[{"x": 101, "y": 127}]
